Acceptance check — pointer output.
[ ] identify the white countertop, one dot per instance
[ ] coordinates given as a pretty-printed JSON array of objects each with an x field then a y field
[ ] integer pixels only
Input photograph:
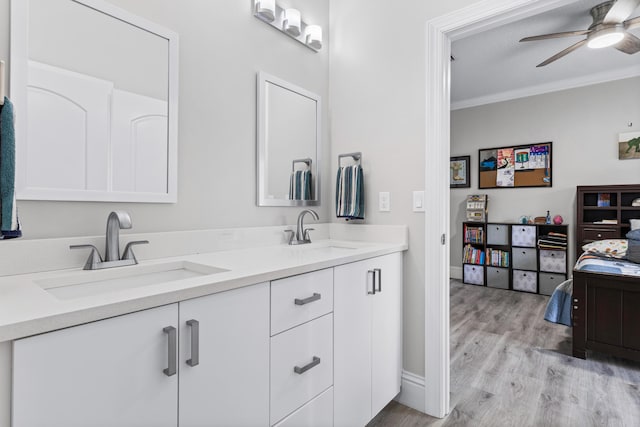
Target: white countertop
[{"x": 28, "y": 309}]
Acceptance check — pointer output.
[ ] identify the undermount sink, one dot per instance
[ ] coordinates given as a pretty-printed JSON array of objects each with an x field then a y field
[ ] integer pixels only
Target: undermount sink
[{"x": 90, "y": 283}]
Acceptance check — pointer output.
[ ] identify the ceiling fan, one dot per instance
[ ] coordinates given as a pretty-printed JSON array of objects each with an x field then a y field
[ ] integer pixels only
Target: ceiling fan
[{"x": 609, "y": 28}]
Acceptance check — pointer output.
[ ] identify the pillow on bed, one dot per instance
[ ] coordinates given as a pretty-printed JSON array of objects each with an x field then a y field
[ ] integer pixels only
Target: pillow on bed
[
  {"x": 635, "y": 224},
  {"x": 612, "y": 248},
  {"x": 633, "y": 252}
]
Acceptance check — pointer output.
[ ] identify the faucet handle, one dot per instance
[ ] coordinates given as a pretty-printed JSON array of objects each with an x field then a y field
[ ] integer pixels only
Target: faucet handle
[
  {"x": 306, "y": 234},
  {"x": 128, "y": 252},
  {"x": 291, "y": 234},
  {"x": 94, "y": 256}
]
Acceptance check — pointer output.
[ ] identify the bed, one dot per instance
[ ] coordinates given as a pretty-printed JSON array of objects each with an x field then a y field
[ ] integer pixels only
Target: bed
[{"x": 606, "y": 307}]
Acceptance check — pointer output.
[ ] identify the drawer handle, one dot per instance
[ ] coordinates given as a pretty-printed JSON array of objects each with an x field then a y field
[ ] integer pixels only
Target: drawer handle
[
  {"x": 378, "y": 272},
  {"x": 305, "y": 368},
  {"x": 575, "y": 300},
  {"x": 371, "y": 273},
  {"x": 575, "y": 307},
  {"x": 312, "y": 298},
  {"x": 195, "y": 343},
  {"x": 172, "y": 367}
]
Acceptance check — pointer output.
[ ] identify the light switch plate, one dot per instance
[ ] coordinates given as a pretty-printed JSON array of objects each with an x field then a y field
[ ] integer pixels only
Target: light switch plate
[
  {"x": 418, "y": 201},
  {"x": 384, "y": 201}
]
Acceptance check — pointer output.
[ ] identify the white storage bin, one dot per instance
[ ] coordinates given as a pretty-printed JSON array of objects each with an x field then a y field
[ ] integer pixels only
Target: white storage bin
[
  {"x": 523, "y": 235},
  {"x": 553, "y": 261},
  {"x": 525, "y": 281},
  {"x": 473, "y": 274}
]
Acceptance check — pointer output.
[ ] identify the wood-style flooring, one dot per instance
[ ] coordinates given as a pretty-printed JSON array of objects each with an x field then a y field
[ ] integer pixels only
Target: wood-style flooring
[{"x": 510, "y": 367}]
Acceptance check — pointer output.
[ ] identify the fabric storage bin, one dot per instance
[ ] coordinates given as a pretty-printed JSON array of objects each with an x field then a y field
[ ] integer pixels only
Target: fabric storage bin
[
  {"x": 473, "y": 274},
  {"x": 525, "y": 281},
  {"x": 549, "y": 282},
  {"x": 498, "y": 277},
  {"x": 553, "y": 261},
  {"x": 524, "y": 258},
  {"x": 523, "y": 235},
  {"x": 497, "y": 234}
]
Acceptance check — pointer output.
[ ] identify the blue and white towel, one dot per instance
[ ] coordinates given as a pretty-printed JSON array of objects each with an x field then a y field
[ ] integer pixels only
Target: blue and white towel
[
  {"x": 559, "y": 305},
  {"x": 300, "y": 185},
  {"x": 9, "y": 224},
  {"x": 350, "y": 192}
]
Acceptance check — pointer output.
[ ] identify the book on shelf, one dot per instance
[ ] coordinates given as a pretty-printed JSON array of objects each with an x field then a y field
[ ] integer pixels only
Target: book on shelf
[
  {"x": 497, "y": 257},
  {"x": 473, "y": 234},
  {"x": 604, "y": 199},
  {"x": 606, "y": 221},
  {"x": 472, "y": 255}
]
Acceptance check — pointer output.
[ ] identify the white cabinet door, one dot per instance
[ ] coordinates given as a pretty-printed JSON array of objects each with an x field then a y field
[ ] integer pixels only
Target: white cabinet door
[
  {"x": 106, "y": 373},
  {"x": 386, "y": 345},
  {"x": 368, "y": 338},
  {"x": 230, "y": 385}
]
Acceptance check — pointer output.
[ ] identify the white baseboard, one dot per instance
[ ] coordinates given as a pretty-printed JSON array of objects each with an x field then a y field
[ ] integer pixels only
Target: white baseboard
[
  {"x": 412, "y": 393},
  {"x": 455, "y": 272}
]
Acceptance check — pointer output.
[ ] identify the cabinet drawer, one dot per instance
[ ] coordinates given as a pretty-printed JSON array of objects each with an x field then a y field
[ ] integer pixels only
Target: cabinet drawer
[
  {"x": 524, "y": 258},
  {"x": 473, "y": 274},
  {"x": 298, "y": 299},
  {"x": 498, "y": 277},
  {"x": 525, "y": 281},
  {"x": 553, "y": 261},
  {"x": 497, "y": 234},
  {"x": 297, "y": 348},
  {"x": 317, "y": 413},
  {"x": 523, "y": 235},
  {"x": 549, "y": 282},
  {"x": 589, "y": 233}
]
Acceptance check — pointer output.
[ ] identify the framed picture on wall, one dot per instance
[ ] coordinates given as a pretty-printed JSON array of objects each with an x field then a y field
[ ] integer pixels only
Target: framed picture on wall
[
  {"x": 515, "y": 166},
  {"x": 459, "y": 172}
]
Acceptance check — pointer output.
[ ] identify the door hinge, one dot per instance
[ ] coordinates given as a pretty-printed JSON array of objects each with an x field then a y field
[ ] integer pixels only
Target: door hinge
[{"x": 442, "y": 238}]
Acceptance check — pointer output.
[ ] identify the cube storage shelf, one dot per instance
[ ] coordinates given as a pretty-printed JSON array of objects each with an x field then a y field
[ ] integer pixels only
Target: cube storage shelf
[{"x": 507, "y": 256}]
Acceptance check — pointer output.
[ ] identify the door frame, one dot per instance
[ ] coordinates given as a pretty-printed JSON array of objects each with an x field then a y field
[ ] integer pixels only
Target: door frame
[{"x": 440, "y": 32}]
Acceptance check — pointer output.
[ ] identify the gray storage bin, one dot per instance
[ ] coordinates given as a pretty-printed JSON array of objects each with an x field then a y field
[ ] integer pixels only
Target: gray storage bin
[
  {"x": 525, "y": 281},
  {"x": 473, "y": 274},
  {"x": 498, "y": 277},
  {"x": 550, "y": 281},
  {"x": 497, "y": 234},
  {"x": 523, "y": 235},
  {"x": 524, "y": 258}
]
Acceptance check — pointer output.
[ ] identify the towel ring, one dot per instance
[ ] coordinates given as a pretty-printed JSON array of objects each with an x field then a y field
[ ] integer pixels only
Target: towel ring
[
  {"x": 306, "y": 161},
  {"x": 357, "y": 157}
]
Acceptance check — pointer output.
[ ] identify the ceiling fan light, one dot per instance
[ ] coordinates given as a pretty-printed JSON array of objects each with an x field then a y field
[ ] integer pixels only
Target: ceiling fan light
[{"x": 605, "y": 38}]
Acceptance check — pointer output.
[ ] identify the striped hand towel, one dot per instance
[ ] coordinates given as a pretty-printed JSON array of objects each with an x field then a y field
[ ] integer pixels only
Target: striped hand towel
[
  {"x": 300, "y": 185},
  {"x": 9, "y": 224},
  {"x": 350, "y": 192}
]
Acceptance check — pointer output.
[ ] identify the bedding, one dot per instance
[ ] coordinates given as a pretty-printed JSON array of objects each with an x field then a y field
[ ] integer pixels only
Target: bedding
[
  {"x": 559, "y": 305},
  {"x": 612, "y": 248},
  {"x": 598, "y": 264}
]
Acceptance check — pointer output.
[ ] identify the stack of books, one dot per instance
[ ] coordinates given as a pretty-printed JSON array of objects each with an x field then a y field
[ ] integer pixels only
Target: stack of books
[
  {"x": 472, "y": 255},
  {"x": 497, "y": 258},
  {"x": 553, "y": 240},
  {"x": 473, "y": 234}
]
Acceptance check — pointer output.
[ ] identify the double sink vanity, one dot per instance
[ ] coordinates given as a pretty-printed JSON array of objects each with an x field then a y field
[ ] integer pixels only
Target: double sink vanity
[{"x": 215, "y": 327}]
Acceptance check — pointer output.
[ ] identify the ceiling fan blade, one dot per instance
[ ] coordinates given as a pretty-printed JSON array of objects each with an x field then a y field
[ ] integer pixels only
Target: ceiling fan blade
[
  {"x": 630, "y": 44},
  {"x": 632, "y": 23},
  {"x": 556, "y": 35},
  {"x": 563, "y": 53},
  {"x": 620, "y": 11}
]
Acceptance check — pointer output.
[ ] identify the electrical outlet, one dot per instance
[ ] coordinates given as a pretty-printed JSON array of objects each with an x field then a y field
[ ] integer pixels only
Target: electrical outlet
[
  {"x": 418, "y": 201},
  {"x": 384, "y": 201}
]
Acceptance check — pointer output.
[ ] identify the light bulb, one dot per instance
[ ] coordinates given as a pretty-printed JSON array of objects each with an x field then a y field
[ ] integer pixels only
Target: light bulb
[
  {"x": 291, "y": 22},
  {"x": 313, "y": 34}
]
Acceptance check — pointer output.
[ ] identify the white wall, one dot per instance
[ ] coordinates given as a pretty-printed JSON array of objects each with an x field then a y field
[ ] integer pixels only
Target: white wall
[
  {"x": 583, "y": 125},
  {"x": 222, "y": 47}
]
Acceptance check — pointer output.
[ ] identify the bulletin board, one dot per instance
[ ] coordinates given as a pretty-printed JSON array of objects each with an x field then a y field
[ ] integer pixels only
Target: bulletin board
[{"x": 515, "y": 166}]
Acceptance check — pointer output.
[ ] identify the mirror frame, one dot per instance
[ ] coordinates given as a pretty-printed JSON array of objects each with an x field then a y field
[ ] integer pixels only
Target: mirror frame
[
  {"x": 262, "y": 141},
  {"x": 19, "y": 79}
]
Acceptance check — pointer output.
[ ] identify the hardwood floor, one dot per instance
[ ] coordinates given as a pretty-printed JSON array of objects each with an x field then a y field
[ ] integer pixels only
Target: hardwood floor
[{"x": 510, "y": 367}]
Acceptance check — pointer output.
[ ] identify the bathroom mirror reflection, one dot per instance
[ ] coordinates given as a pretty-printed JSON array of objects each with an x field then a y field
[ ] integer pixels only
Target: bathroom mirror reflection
[
  {"x": 95, "y": 88},
  {"x": 289, "y": 144}
]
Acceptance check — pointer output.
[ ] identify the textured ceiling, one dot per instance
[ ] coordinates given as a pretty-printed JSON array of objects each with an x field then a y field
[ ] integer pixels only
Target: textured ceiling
[{"x": 494, "y": 62}]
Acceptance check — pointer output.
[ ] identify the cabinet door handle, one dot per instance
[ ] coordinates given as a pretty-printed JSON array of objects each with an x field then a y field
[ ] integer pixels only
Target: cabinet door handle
[
  {"x": 195, "y": 343},
  {"x": 305, "y": 368},
  {"x": 312, "y": 298},
  {"x": 172, "y": 367},
  {"x": 372, "y": 274},
  {"x": 378, "y": 272}
]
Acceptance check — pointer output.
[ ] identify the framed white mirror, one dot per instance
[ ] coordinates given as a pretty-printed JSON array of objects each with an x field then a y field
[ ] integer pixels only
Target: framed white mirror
[
  {"x": 289, "y": 144},
  {"x": 95, "y": 90}
]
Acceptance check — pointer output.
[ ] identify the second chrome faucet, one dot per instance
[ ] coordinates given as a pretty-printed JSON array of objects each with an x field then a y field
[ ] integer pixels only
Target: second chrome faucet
[{"x": 301, "y": 235}]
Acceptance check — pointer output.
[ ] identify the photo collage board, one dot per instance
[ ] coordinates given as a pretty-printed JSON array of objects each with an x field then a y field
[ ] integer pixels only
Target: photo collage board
[{"x": 515, "y": 166}]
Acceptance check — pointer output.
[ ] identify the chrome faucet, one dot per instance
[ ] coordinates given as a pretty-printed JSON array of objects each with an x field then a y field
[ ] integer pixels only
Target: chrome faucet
[
  {"x": 116, "y": 221},
  {"x": 302, "y": 234}
]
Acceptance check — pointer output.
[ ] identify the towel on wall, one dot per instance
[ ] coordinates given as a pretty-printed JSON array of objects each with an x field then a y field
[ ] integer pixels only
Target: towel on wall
[
  {"x": 9, "y": 224},
  {"x": 300, "y": 185},
  {"x": 350, "y": 192}
]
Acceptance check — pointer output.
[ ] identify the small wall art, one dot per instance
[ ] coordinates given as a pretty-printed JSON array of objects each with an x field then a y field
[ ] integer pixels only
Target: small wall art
[
  {"x": 459, "y": 176},
  {"x": 515, "y": 166},
  {"x": 629, "y": 146}
]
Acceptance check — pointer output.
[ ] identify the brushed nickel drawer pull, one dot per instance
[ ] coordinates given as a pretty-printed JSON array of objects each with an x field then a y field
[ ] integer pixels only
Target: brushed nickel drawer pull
[
  {"x": 195, "y": 343},
  {"x": 305, "y": 368},
  {"x": 171, "y": 349},
  {"x": 314, "y": 297}
]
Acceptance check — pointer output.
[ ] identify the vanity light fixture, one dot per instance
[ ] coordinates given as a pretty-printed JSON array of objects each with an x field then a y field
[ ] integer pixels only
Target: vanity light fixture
[
  {"x": 289, "y": 21},
  {"x": 313, "y": 36},
  {"x": 266, "y": 10}
]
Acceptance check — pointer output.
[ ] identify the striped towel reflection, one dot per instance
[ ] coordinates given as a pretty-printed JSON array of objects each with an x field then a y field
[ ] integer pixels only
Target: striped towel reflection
[
  {"x": 350, "y": 192},
  {"x": 9, "y": 224},
  {"x": 300, "y": 185}
]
